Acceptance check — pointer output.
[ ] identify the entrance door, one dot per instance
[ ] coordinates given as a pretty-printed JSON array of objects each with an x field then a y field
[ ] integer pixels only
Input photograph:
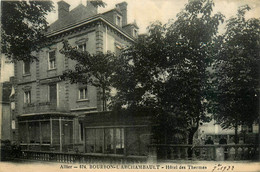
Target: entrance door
[{"x": 67, "y": 135}]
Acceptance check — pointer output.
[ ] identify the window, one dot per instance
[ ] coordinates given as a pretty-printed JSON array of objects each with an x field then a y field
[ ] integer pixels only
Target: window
[
  {"x": 81, "y": 131},
  {"x": 90, "y": 140},
  {"x": 119, "y": 140},
  {"x": 37, "y": 132},
  {"x": 53, "y": 93},
  {"x": 118, "y": 20},
  {"x": 135, "y": 34},
  {"x": 108, "y": 140},
  {"x": 34, "y": 131},
  {"x": 55, "y": 131},
  {"x": 22, "y": 132},
  {"x": 83, "y": 93},
  {"x": 52, "y": 60},
  {"x": 27, "y": 97},
  {"x": 45, "y": 132},
  {"x": 94, "y": 140},
  {"x": 82, "y": 47},
  {"x": 26, "y": 67},
  {"x": 67, "y": 132}
]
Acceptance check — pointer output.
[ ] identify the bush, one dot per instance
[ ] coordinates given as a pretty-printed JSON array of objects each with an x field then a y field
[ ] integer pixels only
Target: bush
[{"x": 9, "y": 151}]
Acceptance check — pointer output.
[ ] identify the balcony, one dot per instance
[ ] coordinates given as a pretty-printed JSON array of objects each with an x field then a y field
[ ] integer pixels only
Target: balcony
[{"x": 39, "y": 107}]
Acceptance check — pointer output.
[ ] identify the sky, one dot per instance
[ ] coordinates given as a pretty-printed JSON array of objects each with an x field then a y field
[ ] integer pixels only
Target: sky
[
  {"x": 144, "y": 12},
  {"x": 147, "y": 11}
]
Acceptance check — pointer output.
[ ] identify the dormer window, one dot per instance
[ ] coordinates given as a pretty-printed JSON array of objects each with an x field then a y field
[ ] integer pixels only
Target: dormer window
[
  {"x": 135, "y": 33},
  {"x": 119, "y": 21},
  {"x": 82, "y": 47}
]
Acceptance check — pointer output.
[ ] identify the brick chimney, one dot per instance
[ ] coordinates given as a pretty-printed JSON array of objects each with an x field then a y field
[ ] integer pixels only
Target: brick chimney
[
  {"x": 91, "y": 6},
  {"x": 123, "y": 8},
  {"x": 63, "y": 9}
]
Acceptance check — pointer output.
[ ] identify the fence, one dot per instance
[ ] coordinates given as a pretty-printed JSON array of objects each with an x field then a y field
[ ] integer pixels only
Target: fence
[
  {"x": 238, "y": 152},
  {"x": 157, "y": 153},
  {"x": 80, "y": 158}
]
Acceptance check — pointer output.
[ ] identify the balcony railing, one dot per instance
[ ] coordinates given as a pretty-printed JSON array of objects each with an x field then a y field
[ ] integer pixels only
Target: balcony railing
[{"x": 39, "y": 107}]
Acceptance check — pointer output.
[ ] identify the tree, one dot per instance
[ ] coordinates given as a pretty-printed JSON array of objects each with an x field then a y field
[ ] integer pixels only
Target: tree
[
  {"x": 167, "y": 69},
  {"x": 23, "y": 24},
  {"x": 191, "y": 38},
  {"x": 93, "y": 69},
  {"x": 142, "y": 67},
  {"x": 236, "y": 77}
]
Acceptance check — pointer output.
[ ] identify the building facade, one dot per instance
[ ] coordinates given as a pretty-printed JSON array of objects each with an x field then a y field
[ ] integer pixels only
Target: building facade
[
  {"x": 6, "y": 117},
  {"x": 52, "y": 114},
  {"x": 246, "y": 134}
]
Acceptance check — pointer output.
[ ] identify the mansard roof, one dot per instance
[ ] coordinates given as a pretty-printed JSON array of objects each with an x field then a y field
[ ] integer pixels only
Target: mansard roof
[
  {"x": 114, "y": 9},
  {"x": 131, "y": 24},
  {"x": 76, "y": 15},
  {"x": 81, "y": 15}
]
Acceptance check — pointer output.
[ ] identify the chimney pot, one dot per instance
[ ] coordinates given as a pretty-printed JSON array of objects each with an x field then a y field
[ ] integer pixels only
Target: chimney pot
[
  {"x": 123, "y": 8},
  {"x": 63, "y": 9},
  {"x": 91, "y": 7}
]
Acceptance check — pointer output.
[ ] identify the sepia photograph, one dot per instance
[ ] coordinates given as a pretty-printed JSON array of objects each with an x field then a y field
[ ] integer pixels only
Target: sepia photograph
[{"x": 130, "y": 85}]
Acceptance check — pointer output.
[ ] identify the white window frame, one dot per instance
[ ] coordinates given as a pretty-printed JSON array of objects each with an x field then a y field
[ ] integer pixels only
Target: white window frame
[
  {"x": 52, "y": 65},
  {"x": 27, "y": 97},
  {"x": 85, "y": 93},
  {"x": 119, "y": 23},
  {"x": 84, "y": 47},
  {"x": 24, "y": 69},
  {"x": 81, "y": 132},
  {"x": 135, "y": 33}
]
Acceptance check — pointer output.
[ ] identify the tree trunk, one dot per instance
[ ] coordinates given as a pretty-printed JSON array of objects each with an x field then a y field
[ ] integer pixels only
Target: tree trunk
[
  {"x": 191, "y": 133},
  {"x": 258, "y": 137},
  {"x": 190, "y": 139},
  {"x": 104, "y": 99},
  {"x": 236, "y": 135}
]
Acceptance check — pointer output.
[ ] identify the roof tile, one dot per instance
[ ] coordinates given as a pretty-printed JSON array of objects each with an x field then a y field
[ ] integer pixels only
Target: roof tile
[{"x": 76, "y": 15}]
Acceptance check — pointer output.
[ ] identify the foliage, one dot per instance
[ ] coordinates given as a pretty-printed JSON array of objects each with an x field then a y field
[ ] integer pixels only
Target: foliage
[
  {"x": 93, "y": 69},
  {"x": 139, "y": 71},
  {"x": 191, "y": 40},
  {"x": 22, "y": 28},
  {"x": 167, "y": 69},
  {"x": 236, "y": 77}
]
